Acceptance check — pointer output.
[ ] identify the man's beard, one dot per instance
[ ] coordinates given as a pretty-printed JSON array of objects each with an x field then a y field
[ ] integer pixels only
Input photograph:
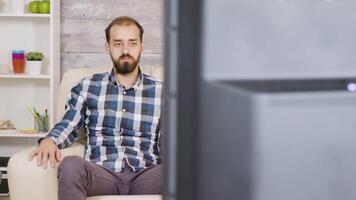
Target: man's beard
[{"x": 125, "y": 67}]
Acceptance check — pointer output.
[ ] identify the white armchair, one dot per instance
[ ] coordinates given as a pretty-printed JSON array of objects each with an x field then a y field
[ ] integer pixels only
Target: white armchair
[{"x": 27, "y": 181}]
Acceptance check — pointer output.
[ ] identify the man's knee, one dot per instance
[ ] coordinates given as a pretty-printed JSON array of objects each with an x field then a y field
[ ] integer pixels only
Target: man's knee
[{"x": 71, "y": 166}]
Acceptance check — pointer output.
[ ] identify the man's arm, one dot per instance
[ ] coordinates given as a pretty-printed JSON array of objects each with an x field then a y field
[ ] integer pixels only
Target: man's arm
[{"x": 64, "y": 133}]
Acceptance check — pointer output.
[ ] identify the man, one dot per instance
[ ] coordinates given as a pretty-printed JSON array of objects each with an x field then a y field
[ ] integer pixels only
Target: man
[{"x": 121, "y": 111}]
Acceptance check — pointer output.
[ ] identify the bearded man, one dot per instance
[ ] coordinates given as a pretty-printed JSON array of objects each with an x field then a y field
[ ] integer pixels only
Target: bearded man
[{"x": 121, "y": 112}]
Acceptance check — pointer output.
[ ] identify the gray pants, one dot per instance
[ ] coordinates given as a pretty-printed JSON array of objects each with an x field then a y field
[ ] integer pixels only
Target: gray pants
[{"x": 79, "y": 178}]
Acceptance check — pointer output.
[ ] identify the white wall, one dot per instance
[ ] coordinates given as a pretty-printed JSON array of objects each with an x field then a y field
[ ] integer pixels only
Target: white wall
[{"x": 83, "y": 24}]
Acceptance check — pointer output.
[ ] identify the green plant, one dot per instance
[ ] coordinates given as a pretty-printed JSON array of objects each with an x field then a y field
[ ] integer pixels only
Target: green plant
[{"x": 34, "y": 56}]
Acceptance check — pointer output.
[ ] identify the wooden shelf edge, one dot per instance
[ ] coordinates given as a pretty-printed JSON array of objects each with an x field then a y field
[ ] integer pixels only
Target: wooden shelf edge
[
  {"x": 24, "y": 15},
  {"x": 25, "y": 76},
  {"x": 25, "y": 135}
]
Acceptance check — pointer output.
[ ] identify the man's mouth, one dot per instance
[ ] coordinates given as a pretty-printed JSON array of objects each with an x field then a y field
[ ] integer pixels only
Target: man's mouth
[{"x": 126, "y": 58}]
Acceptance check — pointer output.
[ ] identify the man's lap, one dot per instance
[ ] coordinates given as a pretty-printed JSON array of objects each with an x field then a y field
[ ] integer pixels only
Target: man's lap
[{"x": 102, "y": 181}]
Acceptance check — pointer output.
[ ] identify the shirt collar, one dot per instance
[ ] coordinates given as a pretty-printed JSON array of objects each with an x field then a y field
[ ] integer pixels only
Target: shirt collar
[{"x": 138, "y": 84}]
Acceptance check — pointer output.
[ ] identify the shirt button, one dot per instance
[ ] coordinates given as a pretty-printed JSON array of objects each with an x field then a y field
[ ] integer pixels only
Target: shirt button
[
  {"x": 123, "y": 110},
  {"x": 124, "y": 92}
]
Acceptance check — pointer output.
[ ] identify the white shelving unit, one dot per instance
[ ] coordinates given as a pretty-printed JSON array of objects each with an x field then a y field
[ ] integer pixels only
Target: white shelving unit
[{"x": 29, "y": 32}]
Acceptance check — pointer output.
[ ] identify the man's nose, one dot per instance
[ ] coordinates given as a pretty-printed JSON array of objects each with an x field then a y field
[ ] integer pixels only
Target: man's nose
[{"x": 126, "y": 49}]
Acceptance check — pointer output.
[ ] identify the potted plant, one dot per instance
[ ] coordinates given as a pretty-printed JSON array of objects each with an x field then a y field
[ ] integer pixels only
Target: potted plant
[{"x": 34, "y": 61}]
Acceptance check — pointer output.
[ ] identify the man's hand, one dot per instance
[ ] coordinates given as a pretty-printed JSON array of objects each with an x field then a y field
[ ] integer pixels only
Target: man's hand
[{"x": 46, "y": 149}]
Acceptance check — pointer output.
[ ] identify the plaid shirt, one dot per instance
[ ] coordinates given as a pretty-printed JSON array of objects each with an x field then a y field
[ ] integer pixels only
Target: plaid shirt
[{"x": 120, "y": 123}]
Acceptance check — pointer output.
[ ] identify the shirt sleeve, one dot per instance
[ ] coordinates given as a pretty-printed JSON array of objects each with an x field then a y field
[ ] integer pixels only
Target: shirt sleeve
[
  {"x": 65, "y": 132},
  {"x": 159, "y": 144},
  {"x": 160, "y": 147}
]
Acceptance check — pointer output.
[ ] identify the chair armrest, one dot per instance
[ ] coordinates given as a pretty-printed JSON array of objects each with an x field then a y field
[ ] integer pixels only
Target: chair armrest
[{"x": 28, "y": 181}]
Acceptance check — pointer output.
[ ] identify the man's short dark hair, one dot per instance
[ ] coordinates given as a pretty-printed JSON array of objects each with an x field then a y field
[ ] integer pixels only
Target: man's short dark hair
[{"x": 123, "y": 20}]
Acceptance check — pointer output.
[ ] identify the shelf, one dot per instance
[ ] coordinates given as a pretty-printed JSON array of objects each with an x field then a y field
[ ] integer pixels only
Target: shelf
[
  {"x": 25, "y": 15},
  {"x": 25, "y": 76},
  {"x": 4, "y": 176},
  {"x": 25, "y": 135}
]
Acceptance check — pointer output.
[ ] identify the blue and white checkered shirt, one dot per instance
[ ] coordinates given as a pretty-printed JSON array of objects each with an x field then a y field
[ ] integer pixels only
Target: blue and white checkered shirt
[{"x": 120, "y": 123}]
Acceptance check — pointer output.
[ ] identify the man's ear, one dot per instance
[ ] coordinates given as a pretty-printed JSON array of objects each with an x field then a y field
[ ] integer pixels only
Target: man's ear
[
  {"x": 142, "y": 47},
  {"x": 107, "y": 48}
]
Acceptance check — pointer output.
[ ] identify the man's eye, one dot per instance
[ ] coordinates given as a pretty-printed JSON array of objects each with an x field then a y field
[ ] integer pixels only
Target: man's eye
[
  {"x": 117, "y": 44},
  {"x": 133, "y": 43}
]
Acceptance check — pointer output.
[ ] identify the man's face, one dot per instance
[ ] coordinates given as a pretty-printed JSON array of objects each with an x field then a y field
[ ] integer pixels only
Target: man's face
[{"x": 124, "y": 47}]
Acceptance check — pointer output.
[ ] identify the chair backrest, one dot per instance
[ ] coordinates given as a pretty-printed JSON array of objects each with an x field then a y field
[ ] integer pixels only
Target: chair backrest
[{"x": 73, "y": 76}]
